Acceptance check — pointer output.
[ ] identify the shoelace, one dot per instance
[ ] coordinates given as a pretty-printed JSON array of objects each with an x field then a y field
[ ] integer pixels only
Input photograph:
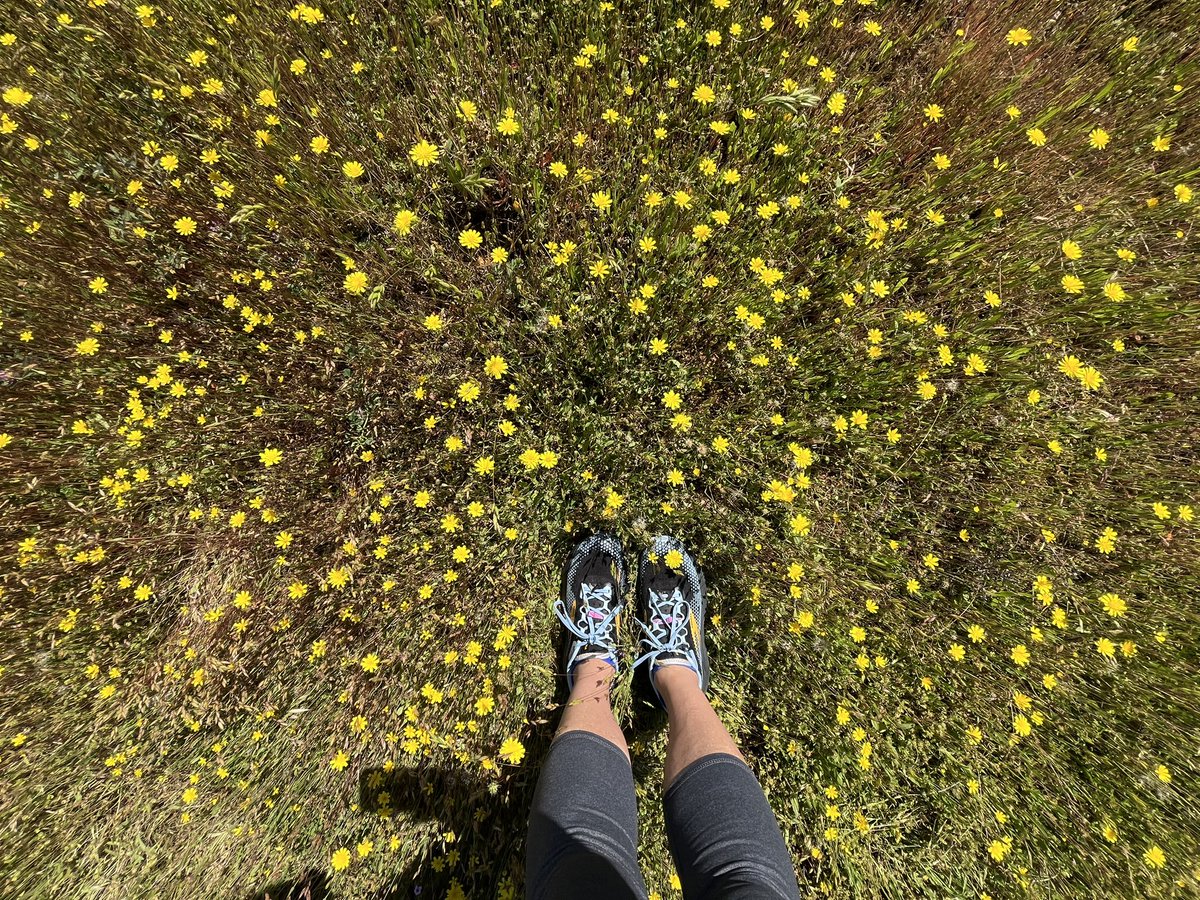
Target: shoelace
[
  {"x": 597, "y": 626},
  {"x": 676, "y": 634}
]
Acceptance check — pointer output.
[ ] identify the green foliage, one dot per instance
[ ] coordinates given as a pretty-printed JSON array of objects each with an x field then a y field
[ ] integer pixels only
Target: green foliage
[{"x": 327, "y": 332}]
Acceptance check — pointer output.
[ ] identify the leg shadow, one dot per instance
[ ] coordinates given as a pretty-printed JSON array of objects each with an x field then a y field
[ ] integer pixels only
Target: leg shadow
[
  {"x": 312, "y": 885},
  {"x": 488, "y": 817}
]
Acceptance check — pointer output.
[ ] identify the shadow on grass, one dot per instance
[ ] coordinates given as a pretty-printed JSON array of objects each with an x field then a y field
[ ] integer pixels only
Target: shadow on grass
[
  {"x": 312, "y": 885},
  {"x": 488, "y": 818}
]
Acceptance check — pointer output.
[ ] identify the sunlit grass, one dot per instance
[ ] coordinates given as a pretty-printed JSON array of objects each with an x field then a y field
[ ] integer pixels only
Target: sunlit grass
[{"x": 325, "y": 332}]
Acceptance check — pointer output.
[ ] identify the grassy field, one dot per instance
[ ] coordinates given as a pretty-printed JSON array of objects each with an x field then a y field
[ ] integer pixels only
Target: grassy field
[{"x": 327, "y": 330}]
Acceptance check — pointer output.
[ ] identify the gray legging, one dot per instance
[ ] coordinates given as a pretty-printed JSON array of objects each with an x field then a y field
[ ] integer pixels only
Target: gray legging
[{"x": 583, "y": 828}]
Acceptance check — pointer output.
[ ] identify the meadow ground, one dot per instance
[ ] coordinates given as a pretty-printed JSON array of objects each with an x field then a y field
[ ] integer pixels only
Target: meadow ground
[{"x": 327, "y": 329}]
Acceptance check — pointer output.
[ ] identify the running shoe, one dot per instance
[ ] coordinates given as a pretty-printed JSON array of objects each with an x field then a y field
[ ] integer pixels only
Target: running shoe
[
  {"x": 672, "y": 594},
  {"x": 594, "y": 585}
]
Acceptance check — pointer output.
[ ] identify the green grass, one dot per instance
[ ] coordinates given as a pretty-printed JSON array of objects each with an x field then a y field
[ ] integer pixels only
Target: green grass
[{"x": 177, "y": 677}]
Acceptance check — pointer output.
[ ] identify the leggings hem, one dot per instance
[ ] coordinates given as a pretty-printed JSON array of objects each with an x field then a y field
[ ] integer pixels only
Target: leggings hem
[
  {"x": 699, "y": 765},
  {"x": 576, "y": 734}
]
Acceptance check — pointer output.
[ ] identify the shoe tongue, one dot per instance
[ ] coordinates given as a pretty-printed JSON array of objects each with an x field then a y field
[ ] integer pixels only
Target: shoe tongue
[
  {"x": 593, "y": 648},
  {"x": 669, "y": 655},
  {"x": 596, "y": 591},
  {"x": 668, "y": 593}
]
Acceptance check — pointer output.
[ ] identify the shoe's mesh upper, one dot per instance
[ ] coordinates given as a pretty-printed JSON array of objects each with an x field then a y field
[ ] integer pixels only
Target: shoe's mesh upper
[
  {"x": 584, "y": 553},
  {"x": 660, "y": 547}
]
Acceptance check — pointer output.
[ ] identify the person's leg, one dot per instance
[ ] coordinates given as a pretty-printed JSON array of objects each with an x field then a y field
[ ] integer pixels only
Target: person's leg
[
  {"x": 589, "y": 707},
  {"x": 722, "y": 832},
  {"x": 695, "y": 730},
  {"x": 583, "y": 825}
]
